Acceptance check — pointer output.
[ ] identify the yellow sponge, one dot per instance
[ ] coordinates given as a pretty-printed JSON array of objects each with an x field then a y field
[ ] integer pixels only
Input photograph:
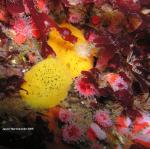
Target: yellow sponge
[{"x": 47, "y": 83}]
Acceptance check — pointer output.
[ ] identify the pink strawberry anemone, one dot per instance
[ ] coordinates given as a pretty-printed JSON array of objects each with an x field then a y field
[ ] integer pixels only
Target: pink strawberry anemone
[
  {"x": 103, "y": 118},
  {"x": 65, "y": 115},
  {"x": 24, "y": 28},
  {"x": 85, "y": 87},
  {"x": 71, "y": 133}
]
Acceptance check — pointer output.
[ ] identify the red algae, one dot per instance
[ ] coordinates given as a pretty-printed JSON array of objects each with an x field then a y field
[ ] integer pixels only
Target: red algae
[{"x": 44, "y": 24}]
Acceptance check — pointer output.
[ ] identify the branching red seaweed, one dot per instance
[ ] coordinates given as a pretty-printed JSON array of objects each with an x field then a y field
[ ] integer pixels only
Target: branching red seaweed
[{"x": 42, "y": 21}]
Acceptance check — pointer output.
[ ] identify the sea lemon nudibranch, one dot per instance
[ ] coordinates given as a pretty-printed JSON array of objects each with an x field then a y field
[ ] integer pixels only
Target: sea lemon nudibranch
[
  {"x": 46, "y": 84},
  {"x": 77, "y": 57}
]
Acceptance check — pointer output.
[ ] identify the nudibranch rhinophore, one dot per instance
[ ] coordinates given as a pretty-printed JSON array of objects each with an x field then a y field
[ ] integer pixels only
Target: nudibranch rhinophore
[
  {"x": 46, "y": 84},
  {"x": 77, "y": 57}
]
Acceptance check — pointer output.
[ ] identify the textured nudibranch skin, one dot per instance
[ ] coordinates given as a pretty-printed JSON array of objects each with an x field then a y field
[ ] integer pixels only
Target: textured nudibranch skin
[
  {"x": 46, "y": 84},
  {"x": 75, "y": 56}
]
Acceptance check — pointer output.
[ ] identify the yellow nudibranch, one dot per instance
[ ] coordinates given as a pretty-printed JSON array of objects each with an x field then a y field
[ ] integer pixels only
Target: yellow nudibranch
[
  {"x": 47, "y": 83},
  {"x": 75, "y": 56}
]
